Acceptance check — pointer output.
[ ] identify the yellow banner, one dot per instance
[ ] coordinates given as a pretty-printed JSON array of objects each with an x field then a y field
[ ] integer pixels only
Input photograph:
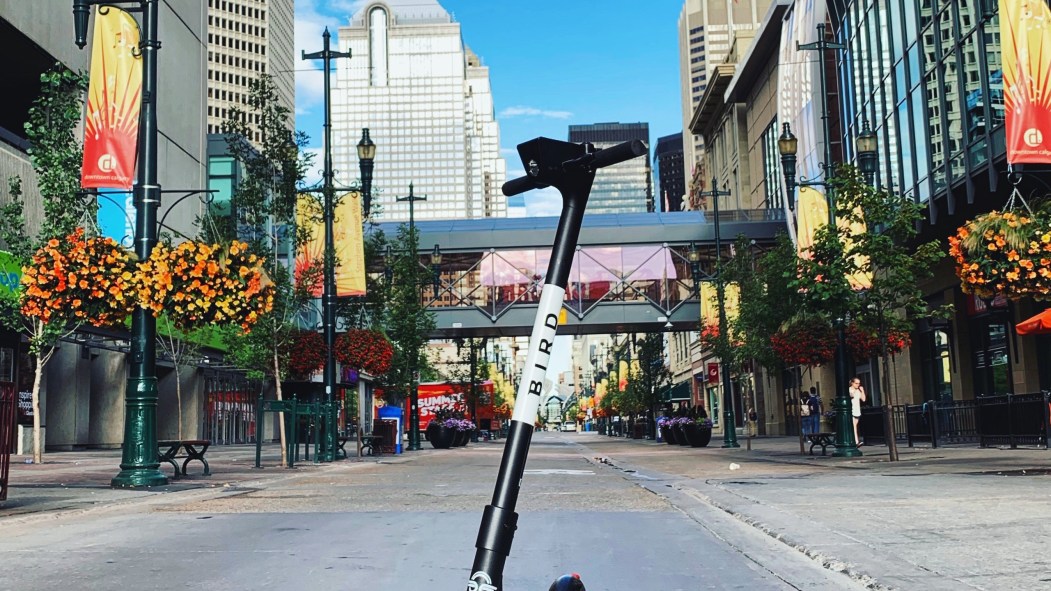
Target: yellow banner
[
  {"x": 710, "y": 302},
  {"x": 111, "y": 126},
  {"x": 347, "y": 238},
  {"x": 812, "y": 215}
]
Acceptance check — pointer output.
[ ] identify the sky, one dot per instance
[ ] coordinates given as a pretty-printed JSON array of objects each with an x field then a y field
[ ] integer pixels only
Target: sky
[{"x": 552, "y": 63}]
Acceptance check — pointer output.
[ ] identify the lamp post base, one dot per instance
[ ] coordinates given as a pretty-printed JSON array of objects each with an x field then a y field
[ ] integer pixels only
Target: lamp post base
[
  {"x": 729, "y": 430},
  {"x": 139, "y": 465},
  {"x": 846, "y": 447}
]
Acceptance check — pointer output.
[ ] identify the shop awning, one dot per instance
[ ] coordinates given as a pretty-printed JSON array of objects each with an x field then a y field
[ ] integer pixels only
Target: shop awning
[
  {"x": 680, "y": 391},
  {"x": 1039, "y": 324}
]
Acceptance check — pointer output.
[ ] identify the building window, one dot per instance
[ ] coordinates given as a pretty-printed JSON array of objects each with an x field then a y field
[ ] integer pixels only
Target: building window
[{"x": 378, "y": 46}]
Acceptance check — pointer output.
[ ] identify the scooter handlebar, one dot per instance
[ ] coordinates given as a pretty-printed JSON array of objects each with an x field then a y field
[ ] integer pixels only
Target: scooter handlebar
[
  {"x": 521, "y": 185},
  {"x": 619, "y": 153},
  {"x": 601, "y": 159}
]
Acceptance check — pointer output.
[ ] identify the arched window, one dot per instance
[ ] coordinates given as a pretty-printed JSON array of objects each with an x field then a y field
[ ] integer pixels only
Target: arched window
[{"x": 378, "y": 47}]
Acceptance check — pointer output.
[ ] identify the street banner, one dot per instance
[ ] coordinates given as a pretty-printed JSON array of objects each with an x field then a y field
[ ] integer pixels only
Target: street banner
[
  {"x": 813, "y": 215},
  {"x": 347, "y": 238},
  {"x": 713, "y": 373},
  {"x": 111, "y": 126},
  {"x": 1025, "y": 36},
  {"x": 710, "y": 302}
]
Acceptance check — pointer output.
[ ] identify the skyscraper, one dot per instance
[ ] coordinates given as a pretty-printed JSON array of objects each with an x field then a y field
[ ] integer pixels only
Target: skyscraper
[
  {"x": 622, "y": 188},
  {"x": 706, "y": 30},
  {"x": 426, "y": 100},
  {"x": 248, "y": 38},
  {"x": 671, "y": 180}
]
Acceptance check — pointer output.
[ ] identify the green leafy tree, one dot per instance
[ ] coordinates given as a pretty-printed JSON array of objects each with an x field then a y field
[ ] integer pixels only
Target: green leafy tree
[
  {"x": 263, "y": 210},
  {"x": 768, "y": 298},
  {"x": 890, "y": 257},
  {"x": 55, "y": 153},
  {"x": 406, "y": 320},
  {"x": 652, "y": 377}
]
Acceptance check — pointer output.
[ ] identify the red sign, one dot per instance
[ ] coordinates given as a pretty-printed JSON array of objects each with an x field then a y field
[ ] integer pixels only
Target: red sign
[
  {"x": 433, "y": 396},
  {"x": 713, "y": 373}
]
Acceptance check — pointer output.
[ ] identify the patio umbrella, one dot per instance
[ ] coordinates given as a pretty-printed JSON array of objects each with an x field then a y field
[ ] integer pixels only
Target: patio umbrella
[{"x": 1039, "y": 324}]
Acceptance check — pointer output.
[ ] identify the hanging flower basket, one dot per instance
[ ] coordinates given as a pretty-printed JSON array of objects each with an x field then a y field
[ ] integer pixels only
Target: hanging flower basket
[
  {"x": 306, "y": 355},
  {"x": 199, "y": 284},
  {"x": 1004, "y": 253},
  {"x": 79, "y": 279},
  {"x": 865, "y": 343},
  {"x": 809, "y": 341},
  {"x": 366, "y": 350}
]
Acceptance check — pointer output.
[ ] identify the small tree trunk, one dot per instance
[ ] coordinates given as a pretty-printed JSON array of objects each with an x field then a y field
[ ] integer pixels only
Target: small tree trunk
[
  {"x": 178, "y": 396},
  {"x": 38, "y": 375},
  {"x": 280, "y": 415},
  {"x": 888, "y": 411}
]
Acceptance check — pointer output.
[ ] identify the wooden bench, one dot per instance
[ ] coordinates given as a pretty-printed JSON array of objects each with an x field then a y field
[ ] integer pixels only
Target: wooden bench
[
  {"x": 822, "y": 439},
  {"x": 191, "y": 449}
]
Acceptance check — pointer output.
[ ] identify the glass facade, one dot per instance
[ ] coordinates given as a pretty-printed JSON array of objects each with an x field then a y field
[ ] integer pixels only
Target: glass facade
[
  {"x": 427, "y": 102},
  {"x": 926, "y": 75},
  {"x": 622, "y": 188}
]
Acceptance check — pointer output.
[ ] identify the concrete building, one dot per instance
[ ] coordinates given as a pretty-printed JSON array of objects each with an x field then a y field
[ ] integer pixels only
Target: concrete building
[
  {"x": 671, "y": 180},
  {"x": 622, "y": 188},
  {"x": 82, "y": 400},
  {"x": 427, "y": 102},
  {"x": 246, "y": 39},
  {"x": 706, "y": 28}
]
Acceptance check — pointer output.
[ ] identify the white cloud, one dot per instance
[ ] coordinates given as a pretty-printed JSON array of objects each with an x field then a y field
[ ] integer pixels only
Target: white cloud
[
  {"x": 523, "y": 111},
  {"x": 543, "y": 202},
  {"x": 312, "y": 16}
]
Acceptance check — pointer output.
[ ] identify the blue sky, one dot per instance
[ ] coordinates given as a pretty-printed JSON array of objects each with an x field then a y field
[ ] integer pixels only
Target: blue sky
[{"x": 552, "y": 64}]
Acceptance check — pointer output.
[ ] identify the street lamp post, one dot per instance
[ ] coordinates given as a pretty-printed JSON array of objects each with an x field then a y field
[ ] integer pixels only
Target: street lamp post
[
  {"x": 730, "y": 426},
  {"x": 366, "y": 160},
  {"x": 414, "y": 397},
  {"x": 326, "y": 55},
  {"x": 866, "y": 148},
  {"x": 139, "y": 464}
]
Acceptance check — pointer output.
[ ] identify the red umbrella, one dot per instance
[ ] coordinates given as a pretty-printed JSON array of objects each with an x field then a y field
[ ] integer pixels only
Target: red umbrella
[{"x": 1039, "y": 324}]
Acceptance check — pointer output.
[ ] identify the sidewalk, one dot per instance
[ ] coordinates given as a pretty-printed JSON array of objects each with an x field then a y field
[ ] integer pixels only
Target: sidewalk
[
  {"x": 949, "y": 518},
  {"x": 80, "y": 480}
]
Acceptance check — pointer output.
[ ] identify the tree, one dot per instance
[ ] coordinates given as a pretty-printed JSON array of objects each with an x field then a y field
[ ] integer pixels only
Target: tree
[
  {"x": 406, "y": 320},
  {"x": 55, "y": 153},
  {"x": 266, "y": 198},
  {"x": 652, "y": 377},
  {"x": 895, "y": 265}
]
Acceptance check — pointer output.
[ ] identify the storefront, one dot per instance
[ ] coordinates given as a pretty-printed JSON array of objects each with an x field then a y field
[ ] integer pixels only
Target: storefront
[{"x": 990, "y": 330}]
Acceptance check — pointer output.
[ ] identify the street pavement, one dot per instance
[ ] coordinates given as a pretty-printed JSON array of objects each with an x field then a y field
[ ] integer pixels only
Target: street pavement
[{"x": 627, "y": 514}]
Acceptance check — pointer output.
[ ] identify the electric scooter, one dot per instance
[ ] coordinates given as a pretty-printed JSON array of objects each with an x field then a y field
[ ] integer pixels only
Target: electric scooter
[{"x": 570, "y": 168}]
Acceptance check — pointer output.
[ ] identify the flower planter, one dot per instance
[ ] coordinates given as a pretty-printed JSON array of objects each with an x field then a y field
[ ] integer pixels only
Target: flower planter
[
  {"x": 680, "y": 436},
  {"x": 462, "y": 438},
  {"x": 698, "y": 436},
  {"x": 440, "y": 436},
  {"x": 668, "y": 434}
]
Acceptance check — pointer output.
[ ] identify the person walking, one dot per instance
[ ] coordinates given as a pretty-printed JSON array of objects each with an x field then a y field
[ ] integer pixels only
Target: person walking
[
  {"x": 804, "y": 413},
  {"x": 814, "y": 405},
  {"x": 857, "y": 396}
]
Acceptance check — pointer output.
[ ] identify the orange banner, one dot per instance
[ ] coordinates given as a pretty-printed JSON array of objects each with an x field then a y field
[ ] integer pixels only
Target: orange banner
[
  {"x": 111, "y": 127},
  {"x": 347, "y": 237},
  {"x": 1025, "y": 36}
]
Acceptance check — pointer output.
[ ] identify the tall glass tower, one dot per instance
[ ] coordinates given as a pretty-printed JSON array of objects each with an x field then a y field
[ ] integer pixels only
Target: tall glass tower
[
  {"x": 427, "y": 102},
  {"x": 622, "y": 188}
]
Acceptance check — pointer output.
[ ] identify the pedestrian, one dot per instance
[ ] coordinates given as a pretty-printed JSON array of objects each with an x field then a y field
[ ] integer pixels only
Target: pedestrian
[
  {"x": 814, "y": 407},
  {"x": 857, "y": 396},
  {"x": 753, "y": 422},
  {"x": 804, "y": 413}
]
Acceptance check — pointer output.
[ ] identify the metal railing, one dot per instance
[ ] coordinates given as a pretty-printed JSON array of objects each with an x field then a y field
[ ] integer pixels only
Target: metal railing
[
  {"x": 1001, "y": 420},
  {"x": 230, "y": 410}
]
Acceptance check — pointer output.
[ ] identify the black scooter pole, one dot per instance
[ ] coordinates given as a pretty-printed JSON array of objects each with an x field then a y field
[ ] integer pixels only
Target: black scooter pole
[{"x": 570, "y": 168}]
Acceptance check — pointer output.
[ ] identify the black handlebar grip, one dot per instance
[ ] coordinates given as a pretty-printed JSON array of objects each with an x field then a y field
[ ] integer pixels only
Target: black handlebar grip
[
  {"x": 619, "y": 153},
  {"x": 521, "y": 185}
]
